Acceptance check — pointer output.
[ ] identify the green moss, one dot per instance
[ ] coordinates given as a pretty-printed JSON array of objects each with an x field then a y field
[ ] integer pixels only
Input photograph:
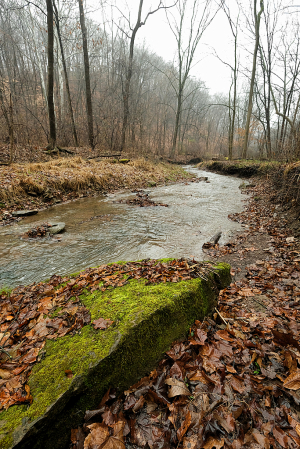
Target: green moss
[{"x": 147, "y": 318}]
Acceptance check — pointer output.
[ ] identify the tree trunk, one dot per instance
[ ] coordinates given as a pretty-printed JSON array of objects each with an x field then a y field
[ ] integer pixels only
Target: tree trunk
[
  {"x": 52, "y": 126},
  {"x": 250, "y": 102},
  {"x": 89, "y": 106},
  {"x": 126, "y": 92},
  {"x": 66, "y": 76},
  {"x": 11, "y": 131},
  {"x": 177, "y": 122}
]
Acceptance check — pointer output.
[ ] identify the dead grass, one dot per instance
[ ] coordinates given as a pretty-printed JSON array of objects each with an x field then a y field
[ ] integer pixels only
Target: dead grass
[
  {"x": 291, "y": 167},
  {"x": 75, "y": 176},
  {"x": 74, "y": 162}
]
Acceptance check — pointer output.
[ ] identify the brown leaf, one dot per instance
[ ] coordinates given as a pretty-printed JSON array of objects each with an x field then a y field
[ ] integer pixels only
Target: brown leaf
[
  {"x": 190, "y": 442},
  {"x": 281, "y": 437},
  {"x": 200, "y": 377},
  {"x": 69, "y": 373},
  {"x": 237, "y": 384},
  {"x": 13, "y": 383},
  {"x": 226, "y": 420},
  {"x": 99, "y": 434},
  {"x": 224, "y": 334},
  {"x": 5, "y": 374},
  {"x": 177, "y": 388},
  {"x": 102, "y": 324},
  {"x": 293, "y": 381},
  {"x": 31, "y": 356},
  {"x": 230, "y": 369},
  {"x": 262, "y": 440},
  {"x": 285, "y": 338},
  {"x": 117, "y": 440},
  {"x": 290, "y": 361},
  {"x": 184, "y": 426},
  {"x": 213, "y": 443},
  {"x": 246, "y": 292}
]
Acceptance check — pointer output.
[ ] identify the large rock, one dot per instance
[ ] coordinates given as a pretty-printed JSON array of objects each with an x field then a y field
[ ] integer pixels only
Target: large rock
[
  {"x": 56, "y": 228},
  {"x": 147, "y": 319},
  {"x": 24, "y": 213}
]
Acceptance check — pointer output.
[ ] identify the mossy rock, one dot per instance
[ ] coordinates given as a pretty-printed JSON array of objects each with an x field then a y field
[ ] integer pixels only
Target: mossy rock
[
  {"x": 147, "y": 319},
  {"x": 124, "y": 161}
]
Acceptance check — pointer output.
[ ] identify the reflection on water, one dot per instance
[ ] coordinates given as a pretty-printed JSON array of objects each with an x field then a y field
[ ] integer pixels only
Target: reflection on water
[{"x": 120, "y": 232}]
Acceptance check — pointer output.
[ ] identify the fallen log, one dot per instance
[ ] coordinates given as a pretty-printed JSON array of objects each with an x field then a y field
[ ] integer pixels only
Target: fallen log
[
  {"x": 104, "y": 155},
  {"x": 214, "y": 240}
]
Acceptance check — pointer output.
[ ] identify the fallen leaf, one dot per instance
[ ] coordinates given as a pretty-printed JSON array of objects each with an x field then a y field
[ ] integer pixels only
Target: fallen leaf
[
  {"x": 237, "y": 384},
  {"x": 293, "y": 381},
  {"x": 102, "y": 324},
  {"x": 262, "y": 440},
  {"x": 213, "y": 443},
  {"x": 177, "y": 388},
  {"x": 281, "y": 437},
  {"x": 99, "y": 434},
  {"x": 184, "y": 426},
  {"x": 190, "y": 442},
  {"x": 5, "y": 374}
]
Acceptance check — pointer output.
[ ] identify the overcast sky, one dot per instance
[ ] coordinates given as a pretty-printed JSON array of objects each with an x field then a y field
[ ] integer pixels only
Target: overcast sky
[{"x": 217, "y": 38}]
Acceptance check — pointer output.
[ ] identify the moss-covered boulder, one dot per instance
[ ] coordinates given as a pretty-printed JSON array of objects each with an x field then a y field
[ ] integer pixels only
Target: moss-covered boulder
[{"x": 146, "y": 320}]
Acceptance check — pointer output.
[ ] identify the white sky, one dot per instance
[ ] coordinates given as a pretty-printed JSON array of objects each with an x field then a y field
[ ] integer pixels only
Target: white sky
[{"x": 158, "y": 37}]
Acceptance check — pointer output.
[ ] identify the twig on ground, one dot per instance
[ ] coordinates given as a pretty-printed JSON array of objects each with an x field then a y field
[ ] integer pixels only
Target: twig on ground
[{"x": 222, "y": 318}]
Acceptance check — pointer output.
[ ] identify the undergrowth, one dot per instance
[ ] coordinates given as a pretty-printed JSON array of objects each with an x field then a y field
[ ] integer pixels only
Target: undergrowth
[{"x": 43, "y": 181}]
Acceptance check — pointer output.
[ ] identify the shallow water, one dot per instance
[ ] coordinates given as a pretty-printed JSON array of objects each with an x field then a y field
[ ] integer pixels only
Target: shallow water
[{"x": 196, "y": 212}]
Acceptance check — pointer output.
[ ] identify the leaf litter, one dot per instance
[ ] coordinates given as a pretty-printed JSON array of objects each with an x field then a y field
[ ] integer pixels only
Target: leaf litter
[
  {"x": 235, "y": 381},
  {"x": 31, "y": 315}
]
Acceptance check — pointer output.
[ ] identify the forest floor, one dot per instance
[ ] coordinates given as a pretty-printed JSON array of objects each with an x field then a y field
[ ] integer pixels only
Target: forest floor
[
  {"x": 235, "y": 381},
  {"x": 42, "y": 184}
]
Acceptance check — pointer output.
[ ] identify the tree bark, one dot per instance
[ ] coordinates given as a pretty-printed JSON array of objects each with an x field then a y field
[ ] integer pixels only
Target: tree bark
[
  {"x": 89, "y": 107},
  {"x": 51, "y": 112}
]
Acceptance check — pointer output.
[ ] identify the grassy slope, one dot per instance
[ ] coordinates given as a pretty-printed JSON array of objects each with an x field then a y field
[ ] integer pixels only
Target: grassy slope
[{"x": 42, "y": 184}]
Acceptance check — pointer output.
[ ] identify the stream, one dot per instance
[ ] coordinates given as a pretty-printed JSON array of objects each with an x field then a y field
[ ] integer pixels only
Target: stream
[{"x": 100, "y": 230}]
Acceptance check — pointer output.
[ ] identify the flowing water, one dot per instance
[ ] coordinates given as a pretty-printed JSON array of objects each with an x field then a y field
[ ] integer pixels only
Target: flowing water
[{"x": 101, "y": 230}]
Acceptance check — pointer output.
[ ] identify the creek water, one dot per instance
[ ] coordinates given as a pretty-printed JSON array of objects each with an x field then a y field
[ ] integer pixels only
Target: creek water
[{"x": 100, "y": 230}]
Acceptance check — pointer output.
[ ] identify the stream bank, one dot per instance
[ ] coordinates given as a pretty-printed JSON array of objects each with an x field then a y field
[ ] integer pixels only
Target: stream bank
[
  {"x": 281, "y": 181},
  {"x": 44, "y": 184}
]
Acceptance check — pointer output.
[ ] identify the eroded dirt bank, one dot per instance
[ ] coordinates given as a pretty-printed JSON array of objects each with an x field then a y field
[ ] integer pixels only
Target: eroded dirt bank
[
  {"x": 234, "y": 383},
  {"x": 43, "y": 184}
]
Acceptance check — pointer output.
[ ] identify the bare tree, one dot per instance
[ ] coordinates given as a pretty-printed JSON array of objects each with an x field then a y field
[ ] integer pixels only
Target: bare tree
[
  {"x": 132, "y": 36},
  {"x": 198, "y": 22},
  {"x": 257, "y": 17},
  {"x": 65, "y": 73},
  {"x": 51, "y": 112},
  {"x": 232, "y": 103},
  {"x": 88, "y": 93}
]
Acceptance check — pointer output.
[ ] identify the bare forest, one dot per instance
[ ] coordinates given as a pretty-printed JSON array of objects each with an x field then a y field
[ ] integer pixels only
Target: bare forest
[{"x": 73, "y": 74}]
